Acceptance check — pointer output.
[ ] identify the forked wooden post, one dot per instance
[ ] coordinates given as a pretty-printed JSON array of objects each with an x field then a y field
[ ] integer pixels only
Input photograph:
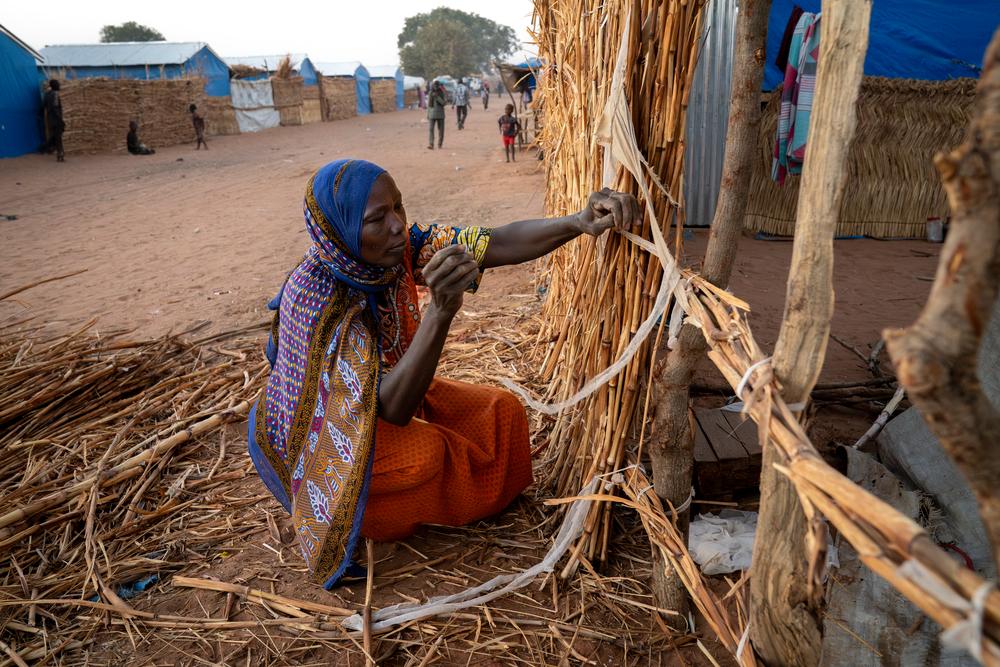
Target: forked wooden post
[
  {"x": 671, "y": 442},
  {"x": 936, "y": 357},
  {"x": 784, "y": 600}
]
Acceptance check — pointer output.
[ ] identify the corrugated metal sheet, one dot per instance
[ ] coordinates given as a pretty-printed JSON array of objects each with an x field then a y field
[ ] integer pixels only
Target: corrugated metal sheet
[
  {"x": 121, "y": 54},
  {"x": 708, "y": 113},
  {"x": 267, "y": 63}
]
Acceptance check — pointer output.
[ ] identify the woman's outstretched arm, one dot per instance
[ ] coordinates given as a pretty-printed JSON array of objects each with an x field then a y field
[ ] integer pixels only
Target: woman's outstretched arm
[
  {"x": 529, "y": 239},
  {"x": 402, "y": 390}
]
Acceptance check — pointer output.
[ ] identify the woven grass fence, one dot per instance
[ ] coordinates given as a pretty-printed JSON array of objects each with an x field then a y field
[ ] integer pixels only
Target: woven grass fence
[
  {"x": 288, "y": 99},
  {"x": 220, "y": 117},
  {"x": 311, "y": 106},
  {"x": 97, "y": 112},
  {"x": 383, "y": 92},
  {"x": 338, "y": 97},
  {"x": 892, "y": 187}
]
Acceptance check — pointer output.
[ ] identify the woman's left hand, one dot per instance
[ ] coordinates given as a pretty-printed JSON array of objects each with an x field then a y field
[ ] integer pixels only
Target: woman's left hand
[{"x": 606, "y": 209}]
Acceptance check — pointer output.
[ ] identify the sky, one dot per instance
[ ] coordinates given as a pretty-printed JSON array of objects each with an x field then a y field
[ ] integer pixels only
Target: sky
[{"x": 330, "y": 31}]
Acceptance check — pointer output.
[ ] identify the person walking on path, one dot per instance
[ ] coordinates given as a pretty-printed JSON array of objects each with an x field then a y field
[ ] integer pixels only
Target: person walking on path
[
  {"x": 461, "y": 103},
  {"x": 435, "y": 112},
  {"x": 52, "y": 104},
  {"x": 199, "y": 126},
  {"x": 509, "y": 127},
  {"x": 486, "y": 95}
]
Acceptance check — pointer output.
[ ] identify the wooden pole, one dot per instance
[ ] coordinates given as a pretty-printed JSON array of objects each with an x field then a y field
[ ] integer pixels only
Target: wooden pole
[
  {"x": 671, "y": 444},
  {"x": 784, "y": 591},
  {"x": 936, "y": 358}
]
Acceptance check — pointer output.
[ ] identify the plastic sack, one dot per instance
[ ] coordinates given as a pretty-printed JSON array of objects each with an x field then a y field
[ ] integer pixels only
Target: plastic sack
[{"x": 723, "y": 543}]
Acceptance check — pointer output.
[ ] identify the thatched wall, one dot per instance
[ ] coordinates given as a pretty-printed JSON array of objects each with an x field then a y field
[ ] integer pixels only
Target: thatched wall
[
  {"x": 383, "y": 92},
  {"x": 97, "y": 112},
  {"x": 311, "y": 108},
  {"x": 338, "y": 98},
  {"x": 288, "y": 99},
  {"x": 411, "y": 97},
  {"x": 220, "y": 118},
  {"x": 892, "y": 186}
]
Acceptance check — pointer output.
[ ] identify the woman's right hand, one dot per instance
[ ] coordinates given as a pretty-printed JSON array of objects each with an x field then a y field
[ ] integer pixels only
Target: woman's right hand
[{"x": 448, "y": 274}]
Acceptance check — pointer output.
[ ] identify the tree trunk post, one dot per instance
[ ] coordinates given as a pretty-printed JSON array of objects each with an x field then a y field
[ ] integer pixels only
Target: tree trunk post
[
  {"x": 936, "y": 358},
  {"x": 671, "y": 442},
  {"x": 784, "y": 593}
]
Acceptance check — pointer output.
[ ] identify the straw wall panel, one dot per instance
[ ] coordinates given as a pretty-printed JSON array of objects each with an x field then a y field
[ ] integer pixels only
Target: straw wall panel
[
  {"x": 339, "y": 99},
  {"x": 892, "y": 186},
  {"x": 383, "y": 92},
  {"x": 97, "y": 112}
]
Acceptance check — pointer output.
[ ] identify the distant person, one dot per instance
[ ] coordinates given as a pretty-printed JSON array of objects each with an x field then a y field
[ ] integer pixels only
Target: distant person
[
  {"x": 461, "y": 103},
  {"x": 199, "y": 126},
  {"x": 435, "y": 112},
  {"x": 486, "y": 94},
  {"x": 509, "y": 127},
  {"x": 136, "y": 147},
  {"x": 52, "y": 105}
]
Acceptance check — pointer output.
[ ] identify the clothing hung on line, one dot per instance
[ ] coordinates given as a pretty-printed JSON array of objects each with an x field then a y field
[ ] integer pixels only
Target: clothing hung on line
[
  {"x": 796, "y": 99},
  {"x": 314, "y": 435}
]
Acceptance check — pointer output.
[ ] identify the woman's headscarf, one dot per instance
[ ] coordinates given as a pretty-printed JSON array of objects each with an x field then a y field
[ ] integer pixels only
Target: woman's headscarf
[{"x": 312, "y": 432}]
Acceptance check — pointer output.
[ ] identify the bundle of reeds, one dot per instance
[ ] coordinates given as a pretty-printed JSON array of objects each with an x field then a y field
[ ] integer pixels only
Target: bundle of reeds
[
  {"x": 97, "y": 112},
  {"x": 600, "y": 291},
  {"x": 892, "y": 187},
  {"x": 101, "y": 460}
]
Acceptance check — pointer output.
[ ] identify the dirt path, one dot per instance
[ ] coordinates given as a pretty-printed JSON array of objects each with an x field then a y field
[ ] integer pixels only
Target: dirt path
[{"x": 184, "y": 236}]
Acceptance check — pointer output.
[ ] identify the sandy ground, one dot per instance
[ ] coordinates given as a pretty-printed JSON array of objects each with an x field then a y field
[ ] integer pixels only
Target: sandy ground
[{"x": 183, "y": 237}]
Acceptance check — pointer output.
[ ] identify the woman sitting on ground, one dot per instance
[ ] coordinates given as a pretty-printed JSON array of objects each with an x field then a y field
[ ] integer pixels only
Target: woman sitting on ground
[{"x": 353, "y": 434}]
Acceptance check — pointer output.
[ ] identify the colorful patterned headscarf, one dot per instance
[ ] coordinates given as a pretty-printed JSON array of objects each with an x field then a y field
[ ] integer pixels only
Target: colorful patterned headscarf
[{"x": 312, "y": 432}]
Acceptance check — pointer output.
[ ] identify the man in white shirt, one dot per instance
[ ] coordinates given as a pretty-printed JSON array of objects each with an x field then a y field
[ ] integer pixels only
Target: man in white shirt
[{"x": 461, "y": 102}]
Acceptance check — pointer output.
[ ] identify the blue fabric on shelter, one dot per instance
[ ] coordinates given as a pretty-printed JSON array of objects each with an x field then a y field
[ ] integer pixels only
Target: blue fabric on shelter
[
  {"x": 20, "y": 100},
  {"x": 908, "y": 39}
]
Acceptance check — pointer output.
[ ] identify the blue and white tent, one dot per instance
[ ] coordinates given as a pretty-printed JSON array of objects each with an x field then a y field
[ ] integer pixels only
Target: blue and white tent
[
  {"x": 390, "y": 72},
  {"x": 352, "y": 70},
  {"x": 907, "y": 39},
  {"x": 139, "y": 60},
  {"x": 20, "y": 97},
  {"x": 301, "y": 65}
]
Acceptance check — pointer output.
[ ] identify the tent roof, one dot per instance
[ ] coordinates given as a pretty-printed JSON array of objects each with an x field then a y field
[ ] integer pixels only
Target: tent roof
[
  {"x": 266, "y": 63},
  {"x": 384, "y": 71},
  {"x": 414, "y": 82},
  {"x": 122, "y": 54},
  {"x": 24, "y": 45},
  {"x": 910, "y": 39},
  {"x": 339, "y": 69}
]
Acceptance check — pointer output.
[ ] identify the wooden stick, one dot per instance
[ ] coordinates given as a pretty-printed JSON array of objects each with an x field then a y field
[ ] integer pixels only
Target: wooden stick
[
  {"x": 937, "y": 357},
  {"x": 367, "y": 616},
  {"x": 24, "y": 288},
  {"x": 785, "y": 593}
]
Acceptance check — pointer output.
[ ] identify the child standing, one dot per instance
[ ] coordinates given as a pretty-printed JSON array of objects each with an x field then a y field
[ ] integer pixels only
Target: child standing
[
  {"x": 509, "y": 127},
  {"x": 199, "y": 126}
]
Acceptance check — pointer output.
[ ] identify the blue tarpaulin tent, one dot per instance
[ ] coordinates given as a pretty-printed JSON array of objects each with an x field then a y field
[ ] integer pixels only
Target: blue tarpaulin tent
[
  {"x": 907, "y": 39},
  {"x": 390, "y": 72},
  {"x": 352, "y": 70},
  {"x": 139, "y": 60},
  {"x": 20, "y": 97}
]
